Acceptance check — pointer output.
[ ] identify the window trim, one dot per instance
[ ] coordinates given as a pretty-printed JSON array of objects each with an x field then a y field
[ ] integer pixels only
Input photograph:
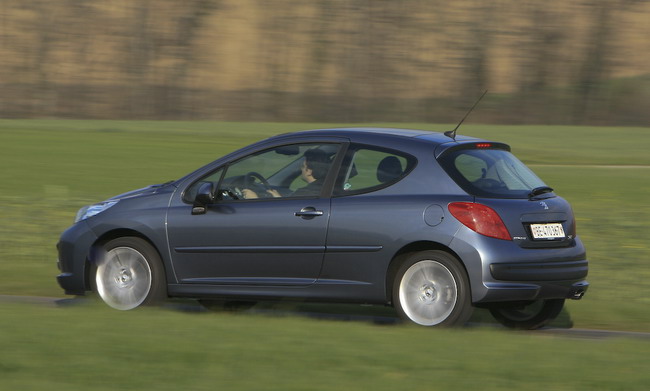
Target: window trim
[
  {"x": 326, "y": 189},
  {"x": 337, "y": 188},
  {"x": 447, "y": 162}
]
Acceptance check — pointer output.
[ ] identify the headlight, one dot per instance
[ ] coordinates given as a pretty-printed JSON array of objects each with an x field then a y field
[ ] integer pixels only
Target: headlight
[{"x": 91, "y": 210}]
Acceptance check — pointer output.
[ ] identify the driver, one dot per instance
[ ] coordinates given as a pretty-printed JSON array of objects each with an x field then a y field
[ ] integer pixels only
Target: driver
[{"x": 313, "y": 170}]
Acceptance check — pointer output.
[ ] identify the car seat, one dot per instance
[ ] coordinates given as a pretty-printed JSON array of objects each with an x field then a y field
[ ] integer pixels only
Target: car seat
[{"x": 389, "y": 169}]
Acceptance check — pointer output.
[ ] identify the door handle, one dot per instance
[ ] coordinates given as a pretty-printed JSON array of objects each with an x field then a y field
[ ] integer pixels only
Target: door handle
[{"x": 309, "y": 212}]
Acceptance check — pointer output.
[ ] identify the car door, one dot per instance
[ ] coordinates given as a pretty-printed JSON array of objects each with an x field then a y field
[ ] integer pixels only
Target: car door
[
  {"x": 266, "y": 240},
  {"x": 367, "y": 218}
]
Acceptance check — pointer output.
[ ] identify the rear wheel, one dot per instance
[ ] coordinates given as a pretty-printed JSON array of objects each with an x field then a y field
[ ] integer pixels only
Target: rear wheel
[
  {"x": 529, "y": 315},
  {"x": 432, "y": 289},
  {"x": 130, "y": 274}
]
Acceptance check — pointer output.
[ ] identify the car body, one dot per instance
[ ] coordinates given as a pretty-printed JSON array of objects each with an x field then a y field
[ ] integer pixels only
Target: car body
[{"x": 431, "y": 224}]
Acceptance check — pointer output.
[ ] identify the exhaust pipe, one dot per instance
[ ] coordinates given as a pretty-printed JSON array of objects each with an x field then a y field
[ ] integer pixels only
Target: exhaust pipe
[{"x": 577, "y": 294}]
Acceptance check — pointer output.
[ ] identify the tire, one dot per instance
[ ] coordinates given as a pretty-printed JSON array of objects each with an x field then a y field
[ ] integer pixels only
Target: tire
[
  {"x": 527, "y": 316},
  {"x": 129, "y": 274},
  {"x": 431, "y": 289}
]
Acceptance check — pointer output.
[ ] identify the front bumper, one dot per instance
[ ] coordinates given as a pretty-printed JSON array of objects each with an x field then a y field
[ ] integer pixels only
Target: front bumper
[{"x": 74, "y": 248}]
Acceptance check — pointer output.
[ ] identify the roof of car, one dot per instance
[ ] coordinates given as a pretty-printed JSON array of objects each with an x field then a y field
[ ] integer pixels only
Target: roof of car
[{"x": 434, "y": 137}]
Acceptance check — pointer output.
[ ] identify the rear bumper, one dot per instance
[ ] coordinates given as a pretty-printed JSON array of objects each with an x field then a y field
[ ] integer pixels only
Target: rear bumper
[
  {"x": 540, "y": 271},
  {"x": 501, "y": 270},
  {"x": 499, "y": 292},
  {"x": 537, "y": 280}
]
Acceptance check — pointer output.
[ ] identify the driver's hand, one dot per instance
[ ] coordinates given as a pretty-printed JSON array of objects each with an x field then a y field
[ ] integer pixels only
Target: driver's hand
[
  {"x": 249, "y": 194},
  {"x": 274, "y": 193}
]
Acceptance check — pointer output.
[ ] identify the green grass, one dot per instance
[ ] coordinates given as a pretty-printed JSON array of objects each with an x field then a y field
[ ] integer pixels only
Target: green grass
[
  {"x": 90, "y": 347},
  {"x": 51, "y": 168}
]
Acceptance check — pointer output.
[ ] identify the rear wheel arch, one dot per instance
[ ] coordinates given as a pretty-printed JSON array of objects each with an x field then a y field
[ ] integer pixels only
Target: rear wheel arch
[
  {"x": 405, "y": 252},
  {"x": 431, "y": 288}
]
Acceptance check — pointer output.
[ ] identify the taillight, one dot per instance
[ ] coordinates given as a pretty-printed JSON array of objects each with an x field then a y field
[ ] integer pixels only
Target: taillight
[
  {"x": 480, "y": 218},
  {"x": 572, "y": 228}
]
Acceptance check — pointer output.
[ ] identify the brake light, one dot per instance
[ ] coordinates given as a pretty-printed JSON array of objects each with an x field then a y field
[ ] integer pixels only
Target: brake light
[
  {"x": 480, "y": 218},
  {"x": 572, "y": 227},
  {"x": 483, "y": 145}
]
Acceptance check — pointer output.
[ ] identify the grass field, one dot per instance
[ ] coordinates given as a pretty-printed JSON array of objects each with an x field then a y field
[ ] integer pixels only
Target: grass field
[
  {"x": 51, "y": 168},
  {"x": 94, "y": 348}
]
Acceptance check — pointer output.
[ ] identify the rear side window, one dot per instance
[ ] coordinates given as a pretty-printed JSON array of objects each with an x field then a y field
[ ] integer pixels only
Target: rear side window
[
  {"x": 367, "y": 169},
  {"x": 493, "y": 173}
]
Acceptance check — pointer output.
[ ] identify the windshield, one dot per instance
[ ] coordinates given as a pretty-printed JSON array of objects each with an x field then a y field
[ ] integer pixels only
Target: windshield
[{"x": 493, "y": 173}]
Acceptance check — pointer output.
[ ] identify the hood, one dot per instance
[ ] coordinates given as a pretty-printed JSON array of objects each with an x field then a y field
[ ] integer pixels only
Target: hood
[{"x": 149, "y": 190}]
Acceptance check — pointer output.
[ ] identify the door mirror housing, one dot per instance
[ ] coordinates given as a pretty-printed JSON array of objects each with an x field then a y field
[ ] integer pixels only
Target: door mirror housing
[{"x": 204, "y": 197}]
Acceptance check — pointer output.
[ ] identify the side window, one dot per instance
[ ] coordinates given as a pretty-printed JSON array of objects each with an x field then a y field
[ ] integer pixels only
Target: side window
[
  {"x": 297, "y": 170},
  {"x": 368, "y": 169}
]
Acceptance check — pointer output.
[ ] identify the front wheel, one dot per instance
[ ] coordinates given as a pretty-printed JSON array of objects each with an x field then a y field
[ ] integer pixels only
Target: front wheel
[
  {"x": 431, "y": 289},
  {"x": 529, "y": 315},
  {"x": 129, "y": 274}
]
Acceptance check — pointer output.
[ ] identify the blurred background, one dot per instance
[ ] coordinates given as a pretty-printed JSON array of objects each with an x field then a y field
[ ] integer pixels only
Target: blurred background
[
  {"x": 79, "y": 77},
  {"x": 543, "y": 62}
]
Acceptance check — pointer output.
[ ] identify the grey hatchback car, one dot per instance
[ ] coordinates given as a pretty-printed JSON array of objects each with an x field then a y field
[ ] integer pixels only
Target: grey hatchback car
[{"x": 431, "y": 224}]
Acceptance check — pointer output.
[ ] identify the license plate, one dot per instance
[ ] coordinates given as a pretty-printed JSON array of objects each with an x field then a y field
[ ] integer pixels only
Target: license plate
[{"x": 547, "y": 231}]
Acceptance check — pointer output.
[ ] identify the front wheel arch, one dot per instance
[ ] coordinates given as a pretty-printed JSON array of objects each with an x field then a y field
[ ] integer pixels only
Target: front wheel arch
[
  {"x": 95, "y": 250},
  {"x": 127, "y": 266}
]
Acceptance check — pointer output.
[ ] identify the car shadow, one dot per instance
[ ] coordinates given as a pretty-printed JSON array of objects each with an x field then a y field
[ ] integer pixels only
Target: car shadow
[{"x": 374, "y": 314}]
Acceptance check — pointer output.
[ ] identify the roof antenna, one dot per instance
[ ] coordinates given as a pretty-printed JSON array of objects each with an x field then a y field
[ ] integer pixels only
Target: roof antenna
[{"x": 452, "y": 133}]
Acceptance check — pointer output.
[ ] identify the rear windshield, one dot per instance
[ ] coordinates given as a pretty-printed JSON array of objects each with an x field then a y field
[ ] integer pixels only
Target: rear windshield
[{"x": 493, "y": 173}]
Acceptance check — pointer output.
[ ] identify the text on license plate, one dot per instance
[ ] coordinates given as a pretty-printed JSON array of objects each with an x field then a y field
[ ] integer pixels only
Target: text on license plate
[{"x": 547, "y": 231}]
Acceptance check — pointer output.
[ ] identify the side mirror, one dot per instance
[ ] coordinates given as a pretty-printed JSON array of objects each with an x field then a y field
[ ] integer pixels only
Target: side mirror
[{"x": 204, "y": 197}]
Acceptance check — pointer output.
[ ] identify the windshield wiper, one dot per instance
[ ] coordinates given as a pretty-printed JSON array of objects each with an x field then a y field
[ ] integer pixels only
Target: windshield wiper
[{"x": 539, "y": 191}]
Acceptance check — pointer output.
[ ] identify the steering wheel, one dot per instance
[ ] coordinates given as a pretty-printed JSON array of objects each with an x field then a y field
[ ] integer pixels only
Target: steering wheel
[{"x": 249, "y": 181}]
